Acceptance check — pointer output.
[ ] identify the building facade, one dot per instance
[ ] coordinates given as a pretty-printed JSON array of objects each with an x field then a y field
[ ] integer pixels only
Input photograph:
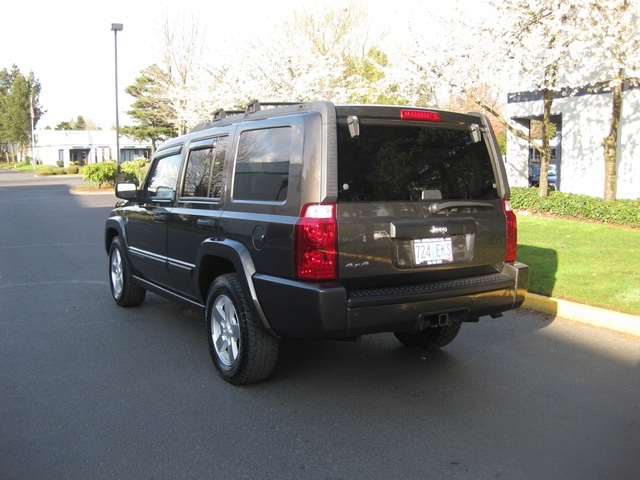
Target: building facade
[
  {"x": 85, "y": 146},
  {"x": 582, "y": 117}
]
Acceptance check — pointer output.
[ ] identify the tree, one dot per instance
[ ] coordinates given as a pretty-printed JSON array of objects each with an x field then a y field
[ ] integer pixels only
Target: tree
[
  {"x": 182, "y": 78},
  {"x": 322, "y": 52},
  {"x": 614, "y": 48},
  {"x": 80, "y": 123},
  {"x": 151, "y": 108},
  {"x": 487, "y": 98},
  {"x": 19, "y": 106},
  {"x": 64, "y": 126},
  {"x": 537, "y": 40}
]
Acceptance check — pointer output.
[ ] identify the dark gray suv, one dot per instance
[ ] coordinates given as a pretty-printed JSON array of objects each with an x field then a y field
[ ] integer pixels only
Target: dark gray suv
[{"x": 315, "y": 220}]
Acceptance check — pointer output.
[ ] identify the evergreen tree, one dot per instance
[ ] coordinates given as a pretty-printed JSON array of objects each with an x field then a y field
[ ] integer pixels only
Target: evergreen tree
[
  {"x": 151, "y": 109},
  {"x": 19, "y": 101}
]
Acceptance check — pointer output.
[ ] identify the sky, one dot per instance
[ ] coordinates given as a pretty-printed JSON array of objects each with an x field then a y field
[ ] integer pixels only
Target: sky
[{"x": 70, "y": 47}]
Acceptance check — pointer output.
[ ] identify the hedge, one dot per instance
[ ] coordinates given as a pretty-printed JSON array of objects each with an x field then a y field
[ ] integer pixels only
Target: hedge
[{"x": 620, "y": 212}]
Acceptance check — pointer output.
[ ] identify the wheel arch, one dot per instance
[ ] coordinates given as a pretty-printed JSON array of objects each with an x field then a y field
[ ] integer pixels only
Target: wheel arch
[
  {"x": 220, "y": 256},
  {"x": 114, "y": 227}
]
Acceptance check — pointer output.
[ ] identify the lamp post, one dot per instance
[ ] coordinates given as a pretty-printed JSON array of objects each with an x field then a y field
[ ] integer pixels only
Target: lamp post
[{"x": 117, "y": 27}]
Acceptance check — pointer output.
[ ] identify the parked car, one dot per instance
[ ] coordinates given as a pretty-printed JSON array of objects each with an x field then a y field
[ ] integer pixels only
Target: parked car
[
  {"x": 534, "y": 175},
  {"x": 314, "y": 220}
]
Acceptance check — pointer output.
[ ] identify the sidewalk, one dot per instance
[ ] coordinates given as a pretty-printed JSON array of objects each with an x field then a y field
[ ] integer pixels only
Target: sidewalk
[{"x": 599, "y": 317}]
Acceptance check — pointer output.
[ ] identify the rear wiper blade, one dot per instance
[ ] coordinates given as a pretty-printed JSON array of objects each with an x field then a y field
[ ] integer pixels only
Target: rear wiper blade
[{"x": 439, "y": 207}]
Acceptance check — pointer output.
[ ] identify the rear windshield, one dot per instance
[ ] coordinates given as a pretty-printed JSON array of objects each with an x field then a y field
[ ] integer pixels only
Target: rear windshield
[{"x": 409, "y": 163}]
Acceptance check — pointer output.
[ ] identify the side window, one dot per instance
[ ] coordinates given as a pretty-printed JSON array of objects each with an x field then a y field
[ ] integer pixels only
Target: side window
[
  {"x": 196, "y": 181},
  {"x": 216, "y": 171},
  {"x": 262, "y": 166},
  {"x": 203, "y": 177},
  {"x": 163, "y": 178}
]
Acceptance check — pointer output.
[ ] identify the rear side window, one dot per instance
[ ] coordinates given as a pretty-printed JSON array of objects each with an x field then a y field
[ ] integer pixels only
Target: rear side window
[
  {"x": 409, "y": 163},
  {"x": 203, "y": 176},
  {"x": 196, "y": 181},
  {"x": 262, "y": 165}
]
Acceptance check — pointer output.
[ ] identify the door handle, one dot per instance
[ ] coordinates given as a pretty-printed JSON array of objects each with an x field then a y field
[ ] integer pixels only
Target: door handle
[
  {"x": 160, "y": 217},
  {"x": 206, "y": 223}
]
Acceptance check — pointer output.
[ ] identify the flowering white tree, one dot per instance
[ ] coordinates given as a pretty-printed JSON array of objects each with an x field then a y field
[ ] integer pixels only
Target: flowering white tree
[
  {"x": 323, "y": 52},
  {"x": 326, "y": 51},
  {"x": 183, "y": 77},
  {"x": 614, "y": 52},
  {"x": 545, "y": 45},
  {"x": 533, "y": 45}
]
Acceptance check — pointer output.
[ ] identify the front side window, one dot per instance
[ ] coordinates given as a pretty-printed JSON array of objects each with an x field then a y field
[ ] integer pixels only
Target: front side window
[
  {"x": 262, "y": 165},
  {"x": 163, "y": 178}
]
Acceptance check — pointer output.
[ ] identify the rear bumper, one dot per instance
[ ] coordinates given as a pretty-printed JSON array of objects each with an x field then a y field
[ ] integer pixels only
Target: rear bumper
[{"x": 299, "y": 309}]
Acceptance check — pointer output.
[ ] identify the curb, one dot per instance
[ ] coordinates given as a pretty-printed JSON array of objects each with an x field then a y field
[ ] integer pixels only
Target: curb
[
  {"x": 79, "y": 191},
  {"x": 598, "y": 317}
]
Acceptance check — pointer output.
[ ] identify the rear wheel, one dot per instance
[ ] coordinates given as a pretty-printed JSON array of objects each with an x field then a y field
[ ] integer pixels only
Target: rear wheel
[
  {"x": 242, "y": 352},
  {"x": 125, "y": 292},
  {"x": 436, "y": 337}
]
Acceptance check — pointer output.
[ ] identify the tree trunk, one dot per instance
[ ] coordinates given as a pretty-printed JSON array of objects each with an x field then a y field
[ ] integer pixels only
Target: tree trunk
[
  {"x": 545, "y": 154},
  {"x": 610, "y": 143}
]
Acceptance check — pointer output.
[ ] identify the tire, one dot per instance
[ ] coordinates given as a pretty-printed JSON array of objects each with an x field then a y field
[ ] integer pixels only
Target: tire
[
  {"x": 125, "y": 292},
  {"x": 437, "y": 337},
  {"x": 241, "y": 352}
]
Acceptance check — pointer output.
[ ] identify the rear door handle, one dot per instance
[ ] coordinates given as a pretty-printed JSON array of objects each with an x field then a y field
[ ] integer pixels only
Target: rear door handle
[
  {"x": 160, "y": 217},
  {"x": 206, "y": 223}
]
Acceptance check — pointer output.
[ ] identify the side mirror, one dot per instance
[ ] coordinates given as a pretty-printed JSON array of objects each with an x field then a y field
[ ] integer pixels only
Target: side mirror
[{"x": 126, "y": 191}]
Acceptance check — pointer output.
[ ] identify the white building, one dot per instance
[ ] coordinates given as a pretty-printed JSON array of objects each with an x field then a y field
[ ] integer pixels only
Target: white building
[
  {"x": 583, "y": 119},
  {"x": 85, "y": 146}
]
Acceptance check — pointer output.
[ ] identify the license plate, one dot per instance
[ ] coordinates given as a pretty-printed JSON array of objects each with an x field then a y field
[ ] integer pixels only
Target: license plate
[{"x": 432, "y": 251}]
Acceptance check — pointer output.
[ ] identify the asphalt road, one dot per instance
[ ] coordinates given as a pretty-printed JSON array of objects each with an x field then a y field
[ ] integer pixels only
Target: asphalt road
[{"x": 91, "y": 390}]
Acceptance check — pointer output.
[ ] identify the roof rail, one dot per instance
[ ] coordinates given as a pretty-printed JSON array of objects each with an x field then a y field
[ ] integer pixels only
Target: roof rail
[
  {"x": 280, "y": 104},
  {"x": 254, "y": 105}
]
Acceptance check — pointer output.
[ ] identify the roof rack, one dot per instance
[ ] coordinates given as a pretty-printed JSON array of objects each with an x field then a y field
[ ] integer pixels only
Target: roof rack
[
  {"x": 254, "y": 105},
  {"x": 221, "y": 113}
]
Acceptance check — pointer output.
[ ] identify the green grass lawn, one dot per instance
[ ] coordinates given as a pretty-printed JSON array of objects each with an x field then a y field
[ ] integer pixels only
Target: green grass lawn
[
  {"x": 583, "y": 262},
  {"x": 29, "y": 168}
]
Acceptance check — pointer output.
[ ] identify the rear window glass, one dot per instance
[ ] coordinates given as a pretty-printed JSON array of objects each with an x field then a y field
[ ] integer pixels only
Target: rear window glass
[
  {"x": 408, "y": 163},
  {"x": 262, "y": 166}
]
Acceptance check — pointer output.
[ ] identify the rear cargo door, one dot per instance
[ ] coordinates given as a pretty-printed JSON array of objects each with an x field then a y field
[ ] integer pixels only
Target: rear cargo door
[{"x": 418, "y": 201}]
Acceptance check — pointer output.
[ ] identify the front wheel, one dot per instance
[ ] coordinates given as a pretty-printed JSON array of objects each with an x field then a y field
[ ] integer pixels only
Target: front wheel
[
  {"x": 124, "y": 290},
  {"x": 436, "y": 337},
  {"x": 241, "y": 352}
]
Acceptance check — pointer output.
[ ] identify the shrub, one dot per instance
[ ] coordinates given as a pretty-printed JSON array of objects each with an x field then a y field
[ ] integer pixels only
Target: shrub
[
  {"x": 102, "y": 173},
  {"x": 60, "y": 163},
  {"x": 45, "y": 173},
  {"x": 59, "y": 171},
  {"x": 621, "y": 212},
  {"x": 135, "y": 170},
  {"x": 72, "y": 169}
]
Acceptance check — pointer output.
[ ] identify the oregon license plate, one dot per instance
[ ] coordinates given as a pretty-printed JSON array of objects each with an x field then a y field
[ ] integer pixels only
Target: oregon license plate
[{"x": 432, "y": 251}]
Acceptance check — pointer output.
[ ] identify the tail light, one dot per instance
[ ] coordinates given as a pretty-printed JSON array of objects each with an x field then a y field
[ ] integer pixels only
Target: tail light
[
  {"x": 512, "y": 232},
  {"x": 316, "y": 243}
]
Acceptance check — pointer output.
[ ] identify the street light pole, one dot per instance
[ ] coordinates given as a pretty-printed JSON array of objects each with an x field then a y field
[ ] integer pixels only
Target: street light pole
[{"x": 117, "y": 27}]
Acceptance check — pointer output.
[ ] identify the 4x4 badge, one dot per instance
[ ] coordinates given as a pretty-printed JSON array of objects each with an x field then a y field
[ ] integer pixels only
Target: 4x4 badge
[{"x": 435, "y": 229}]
